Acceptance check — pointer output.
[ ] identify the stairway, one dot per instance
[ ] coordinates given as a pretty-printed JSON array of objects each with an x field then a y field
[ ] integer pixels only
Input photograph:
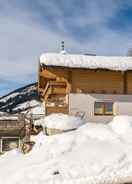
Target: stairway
[
  {"x": 54, "y": 88},
  {"x": 55, "y": 95}
]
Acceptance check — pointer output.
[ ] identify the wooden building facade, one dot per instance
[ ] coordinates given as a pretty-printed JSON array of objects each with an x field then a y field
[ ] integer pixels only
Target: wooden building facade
[
  {"x": 15, "y": 130},
  {"x": 58, "y": 84}
]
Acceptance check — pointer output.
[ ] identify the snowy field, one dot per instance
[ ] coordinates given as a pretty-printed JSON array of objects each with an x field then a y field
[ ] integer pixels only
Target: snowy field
[{"x": 94, "y": 153}]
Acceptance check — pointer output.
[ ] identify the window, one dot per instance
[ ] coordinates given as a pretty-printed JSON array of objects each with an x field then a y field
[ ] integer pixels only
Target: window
[{"x": 103, "y": 108}]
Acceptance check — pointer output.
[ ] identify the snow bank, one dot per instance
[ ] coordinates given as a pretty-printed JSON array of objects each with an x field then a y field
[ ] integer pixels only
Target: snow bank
[
  {"x": 98, "y": 131},
  {"x": 83, "y": 61},
  {"x": 121, "y": 124},
  {"x": 62, "y": 122},
  {"x": 39, "y": 121},
  {"x": 94, "y": 154},
  {"x": 38, "y": 108}
]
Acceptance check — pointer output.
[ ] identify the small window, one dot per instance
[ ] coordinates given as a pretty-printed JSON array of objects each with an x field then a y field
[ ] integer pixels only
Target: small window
[
  {"x": 103, "y": 108},
  {"x": 108, "y": 108},
  {"x": 99, "y": 108}
]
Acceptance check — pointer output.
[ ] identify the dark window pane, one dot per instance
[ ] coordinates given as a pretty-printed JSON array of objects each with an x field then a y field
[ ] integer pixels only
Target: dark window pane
[
  {"x": 103, "y": 108},
  {"x": 109, "y": 108},
  {"x": 99, "y": 108}
]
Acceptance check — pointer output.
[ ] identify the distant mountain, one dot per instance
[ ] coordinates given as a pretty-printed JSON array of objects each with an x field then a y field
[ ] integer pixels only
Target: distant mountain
[{"x": 21, "y": 100}]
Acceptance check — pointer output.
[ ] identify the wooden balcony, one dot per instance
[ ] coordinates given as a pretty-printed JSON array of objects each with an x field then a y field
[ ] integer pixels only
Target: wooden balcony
[{"x": 57, "y": 109}]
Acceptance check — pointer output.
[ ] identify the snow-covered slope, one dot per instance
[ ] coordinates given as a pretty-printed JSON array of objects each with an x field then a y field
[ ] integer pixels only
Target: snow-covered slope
[
  {"x": 20, "y": 100},
  {"x": 93, "y": 154}
]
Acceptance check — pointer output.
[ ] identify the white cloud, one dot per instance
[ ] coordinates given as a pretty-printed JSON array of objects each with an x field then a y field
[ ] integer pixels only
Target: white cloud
[
  {"x": 23, "y": 39},
  {"x": 21, "y": 45}
]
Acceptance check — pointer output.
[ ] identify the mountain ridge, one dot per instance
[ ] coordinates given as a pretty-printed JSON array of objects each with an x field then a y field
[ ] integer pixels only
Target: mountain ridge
[
  {"x": 18, "y": 89},
  {"x": 19, "y": 99}
]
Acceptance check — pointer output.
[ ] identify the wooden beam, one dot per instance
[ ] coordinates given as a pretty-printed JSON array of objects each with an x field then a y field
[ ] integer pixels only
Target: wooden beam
[
  {"x": 38, "y": 84},
  {"x": 124, "y": 82},
  {"x": 70, "y": 80}
]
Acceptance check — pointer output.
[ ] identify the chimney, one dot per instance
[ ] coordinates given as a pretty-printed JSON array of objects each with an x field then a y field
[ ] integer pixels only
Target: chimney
[
  {"x": 62, "y": 45},
  {"x": 63, "y": 48}
]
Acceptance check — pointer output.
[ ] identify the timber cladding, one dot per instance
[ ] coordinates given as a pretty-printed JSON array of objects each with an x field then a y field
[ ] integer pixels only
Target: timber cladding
[
  {"x": 129, "y": 82},
  {"x": 55, "y": 83},
  {"x": 97, "y": 81},
  {"x": 89, "y": 81},
  {"x": 50, "y": 110},
  {"x": 53, "y": 73}
]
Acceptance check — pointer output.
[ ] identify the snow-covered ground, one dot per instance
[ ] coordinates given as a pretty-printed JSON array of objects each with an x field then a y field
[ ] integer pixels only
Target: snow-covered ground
[{"x": 94, "y": 153}]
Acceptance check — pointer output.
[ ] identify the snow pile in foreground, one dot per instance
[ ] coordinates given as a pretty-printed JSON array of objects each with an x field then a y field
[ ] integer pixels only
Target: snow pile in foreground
[
  {"x": 121, "y": 124},
  {"x": 38, "y": 107},
  {"x": 62, "y": 121},
  {"x": 94, "y": 153}
]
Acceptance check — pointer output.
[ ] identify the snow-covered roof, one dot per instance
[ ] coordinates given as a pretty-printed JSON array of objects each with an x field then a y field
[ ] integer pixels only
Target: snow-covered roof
[
  {"x": 13, "y": 118},
  {"x": 62, "y": 122},
  {"x": 118, "y": 63}
]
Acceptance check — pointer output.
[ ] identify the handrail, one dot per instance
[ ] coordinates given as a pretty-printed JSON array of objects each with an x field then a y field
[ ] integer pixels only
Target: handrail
[
  {"x": 25, "y": 127},
  {"x": 52, "y": 83},
  {"x": 45, "y": 89},
  {"x": 57, "y": 83}
]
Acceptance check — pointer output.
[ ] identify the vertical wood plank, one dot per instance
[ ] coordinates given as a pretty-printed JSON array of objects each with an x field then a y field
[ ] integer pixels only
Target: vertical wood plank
[{"x": 124, "y": 82}]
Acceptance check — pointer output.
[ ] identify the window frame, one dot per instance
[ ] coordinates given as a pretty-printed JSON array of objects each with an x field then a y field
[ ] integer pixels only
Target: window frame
[{"x": 104, "y": 104}]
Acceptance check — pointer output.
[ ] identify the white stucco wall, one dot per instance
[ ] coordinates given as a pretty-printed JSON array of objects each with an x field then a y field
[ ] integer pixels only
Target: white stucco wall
[{"x": 85, "y": 103}]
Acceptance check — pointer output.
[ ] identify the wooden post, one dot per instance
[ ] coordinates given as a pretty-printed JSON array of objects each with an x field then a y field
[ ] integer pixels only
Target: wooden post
[
  {"x": 70, "y": 79},
  {"x": 19, "y": 142},
  {"x": 1, "y": 145},
  {"x": 38, "y": 83},
  {"x": 124, "y": 82}
]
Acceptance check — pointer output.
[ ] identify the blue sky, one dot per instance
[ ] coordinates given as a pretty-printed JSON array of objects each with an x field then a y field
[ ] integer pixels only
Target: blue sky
[{"x": 29, "y": 28}]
